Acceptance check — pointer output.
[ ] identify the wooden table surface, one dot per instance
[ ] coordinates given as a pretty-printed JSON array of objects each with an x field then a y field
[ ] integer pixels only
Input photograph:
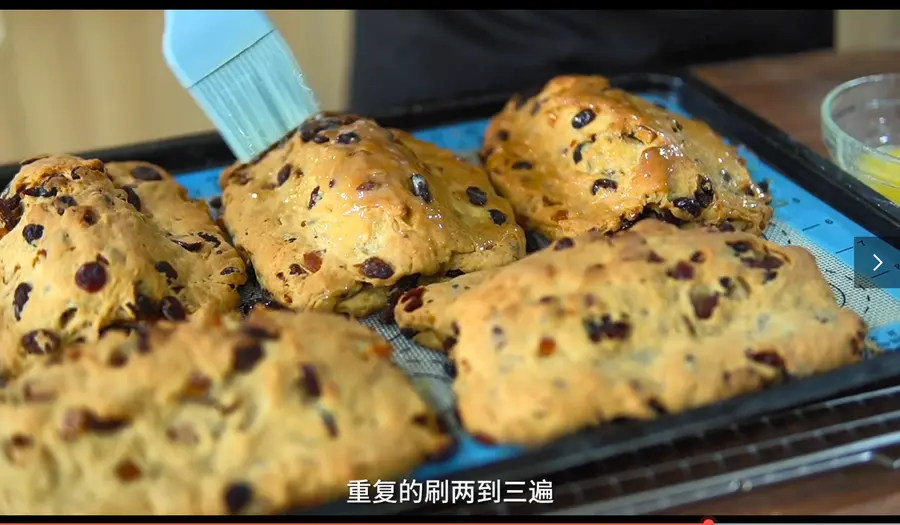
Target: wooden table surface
[{"x": 788, "y": 92}]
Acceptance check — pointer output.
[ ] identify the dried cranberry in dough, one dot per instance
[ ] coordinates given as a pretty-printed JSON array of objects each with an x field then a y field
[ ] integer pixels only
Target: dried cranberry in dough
[
  {"x": 363, "y": 209},
  {"x": 91, "y": 246},
  {"x": 648, "y": 321},
  {"x": 232, "y": 402},
  {"x": 581, "y": 155}
]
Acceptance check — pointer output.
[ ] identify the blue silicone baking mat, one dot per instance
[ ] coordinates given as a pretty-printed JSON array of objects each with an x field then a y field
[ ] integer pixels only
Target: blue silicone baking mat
[{"x": 800, "y": 219}]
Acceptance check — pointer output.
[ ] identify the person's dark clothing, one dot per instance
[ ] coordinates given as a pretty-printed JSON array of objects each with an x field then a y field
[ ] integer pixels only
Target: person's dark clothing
[{"x": 405, "y": 56}]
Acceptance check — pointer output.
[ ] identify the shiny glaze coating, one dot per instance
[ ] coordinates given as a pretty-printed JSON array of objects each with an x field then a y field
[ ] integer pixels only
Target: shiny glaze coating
[
  {"x": 85, "y": 247},
  {"x": 342, "y": 211},
  {"x": 581, "y": 155}
]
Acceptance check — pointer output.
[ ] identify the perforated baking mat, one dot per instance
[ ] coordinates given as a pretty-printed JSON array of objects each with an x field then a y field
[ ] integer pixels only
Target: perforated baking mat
[{"x": 800, "y": 219}]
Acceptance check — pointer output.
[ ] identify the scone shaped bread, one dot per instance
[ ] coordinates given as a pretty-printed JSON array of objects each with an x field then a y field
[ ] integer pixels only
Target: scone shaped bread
[
  {"x": 581, "y": 155},
  {"x": 85, "y": 246},
  {"x": 213, "y": 416},
  {"x": 343, "y": 211},
  {"x": 652, "y": 320}
]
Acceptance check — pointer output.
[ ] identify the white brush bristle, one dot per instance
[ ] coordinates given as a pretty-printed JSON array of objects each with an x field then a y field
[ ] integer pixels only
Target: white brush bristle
[{"x": 257, "y": 97}]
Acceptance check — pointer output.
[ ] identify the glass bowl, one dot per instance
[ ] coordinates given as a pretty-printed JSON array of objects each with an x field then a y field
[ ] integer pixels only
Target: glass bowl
[{"x": 861, "y": 129}]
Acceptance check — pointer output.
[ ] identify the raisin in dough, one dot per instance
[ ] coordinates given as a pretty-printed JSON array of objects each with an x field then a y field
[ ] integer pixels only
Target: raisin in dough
[
  {"x": 422, "y": 315},
  {"x": 344, "y": 210},
  {"x": 84, "y": 246},
  {"x": 649, "y": 321},
  {"x": 581, "y": 155},
  {"x": 213, "y": 416}
]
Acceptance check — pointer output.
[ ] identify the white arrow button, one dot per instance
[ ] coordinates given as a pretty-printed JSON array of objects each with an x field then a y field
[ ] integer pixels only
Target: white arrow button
[{"x": 877, "y": 266}]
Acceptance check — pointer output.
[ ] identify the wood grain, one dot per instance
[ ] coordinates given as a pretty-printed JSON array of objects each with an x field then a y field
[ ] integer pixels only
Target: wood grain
[{"x": 788, "y": 91}]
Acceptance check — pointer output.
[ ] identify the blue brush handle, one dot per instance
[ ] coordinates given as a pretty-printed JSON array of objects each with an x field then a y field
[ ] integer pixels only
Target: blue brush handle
[{"x": 197, "y": 42}]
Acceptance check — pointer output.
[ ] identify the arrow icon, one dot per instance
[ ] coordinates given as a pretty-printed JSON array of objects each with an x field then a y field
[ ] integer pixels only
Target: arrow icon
[{"x": 877, "y": 266}]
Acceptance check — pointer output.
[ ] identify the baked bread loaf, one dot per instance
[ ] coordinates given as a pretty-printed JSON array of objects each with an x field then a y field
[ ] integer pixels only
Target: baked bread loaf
[
  {"x": 212, "y": 416},
  {"x": 343, "y": 211},
  {"x": 85, "y": 246},
  {"x": 581, "y": 155},
  {"x": 652, "y": 320}
]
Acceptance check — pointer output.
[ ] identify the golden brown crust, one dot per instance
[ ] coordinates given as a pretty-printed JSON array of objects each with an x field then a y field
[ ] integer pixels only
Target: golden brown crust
[
  {"x": 342, "y": 210},
  {"x": 84, "y": 246},
  {"x": 581, "y": 155},
  {"x": 212, "y": 416},
  {"x": 651, "y": 320},
  {"x": 423, "y": 311}
]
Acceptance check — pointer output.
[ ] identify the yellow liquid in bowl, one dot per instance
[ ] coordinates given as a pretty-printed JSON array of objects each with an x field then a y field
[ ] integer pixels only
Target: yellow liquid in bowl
[{"x": 882, "y": 175}]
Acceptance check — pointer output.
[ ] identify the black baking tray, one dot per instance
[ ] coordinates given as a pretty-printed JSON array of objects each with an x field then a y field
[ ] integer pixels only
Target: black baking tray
[{"x": 816, "y": 174}]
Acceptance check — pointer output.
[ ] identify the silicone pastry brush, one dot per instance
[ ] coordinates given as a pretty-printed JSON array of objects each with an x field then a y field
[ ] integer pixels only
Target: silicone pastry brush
[{"x": 241, "y": 72}]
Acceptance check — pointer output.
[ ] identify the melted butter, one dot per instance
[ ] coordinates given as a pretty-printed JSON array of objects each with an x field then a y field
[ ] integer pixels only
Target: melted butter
[
  {"x": 749, "y": 203},
  {"x": 349, "y": 220},
  {"x": 676, "y": 149},
  {"x": 657, "y": 165},
  {"x": 620, "y": 206},
  {"x": 356, "y": 208},
  {"x": 881, "y": 174}
]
